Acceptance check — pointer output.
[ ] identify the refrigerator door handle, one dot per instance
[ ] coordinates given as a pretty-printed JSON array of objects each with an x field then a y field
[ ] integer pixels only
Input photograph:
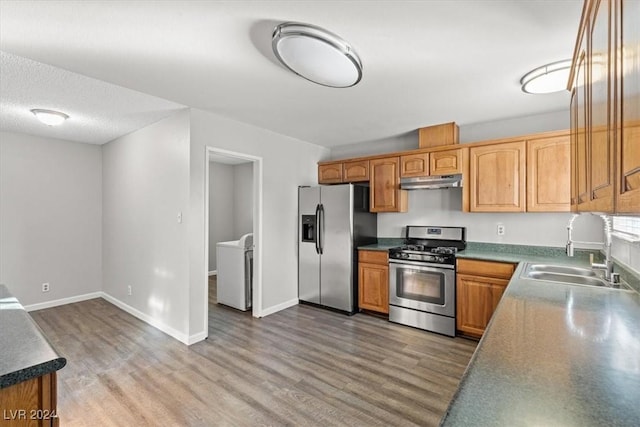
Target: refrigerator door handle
[
  {"x": 321, "y": 232},
  {"x": 317, "y": 239}
]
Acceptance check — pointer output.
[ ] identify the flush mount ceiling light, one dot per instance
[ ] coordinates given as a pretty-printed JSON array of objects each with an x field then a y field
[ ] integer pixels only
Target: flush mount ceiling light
[
  {"x": 547, "y": 79},
  {"x": 50, "y": 117},
  {"x": 316, "y": 54}
]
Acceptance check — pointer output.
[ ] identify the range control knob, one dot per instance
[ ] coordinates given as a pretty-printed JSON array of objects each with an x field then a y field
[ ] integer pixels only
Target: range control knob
[{"x": 441, "y": 259}]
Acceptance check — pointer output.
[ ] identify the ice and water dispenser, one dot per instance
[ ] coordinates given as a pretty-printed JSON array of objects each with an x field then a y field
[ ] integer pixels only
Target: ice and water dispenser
[{"x": 308, "y": 228}]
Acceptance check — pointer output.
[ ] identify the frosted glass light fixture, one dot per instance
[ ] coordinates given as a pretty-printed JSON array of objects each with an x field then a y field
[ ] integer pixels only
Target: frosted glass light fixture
[
  {"x": 316, "y": 54},
  {"x": 50, "y": 117},
  {"x": 547, "y": 79}
]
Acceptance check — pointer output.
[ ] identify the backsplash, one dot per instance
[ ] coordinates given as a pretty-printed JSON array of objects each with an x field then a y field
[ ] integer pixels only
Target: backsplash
[
  {"x": 444, "y": 208},
  {"x": 627, "y": 253}
]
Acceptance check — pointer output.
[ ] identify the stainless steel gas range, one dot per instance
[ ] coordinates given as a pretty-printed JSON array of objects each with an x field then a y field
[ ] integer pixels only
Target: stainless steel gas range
[{"x": 422, "y": 280}]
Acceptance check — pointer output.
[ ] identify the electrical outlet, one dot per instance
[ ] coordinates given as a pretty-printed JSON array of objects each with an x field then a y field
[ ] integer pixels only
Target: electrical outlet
[
  {"x": 128, "y": 290},
  {"x": 180, "y": 217},
  {"x": 45, "y": 287},
  {"x": 500, "y": 229}
]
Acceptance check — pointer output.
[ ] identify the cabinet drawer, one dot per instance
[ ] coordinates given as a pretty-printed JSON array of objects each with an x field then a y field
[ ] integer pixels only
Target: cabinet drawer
[
  {"x": 485, "y": 268},
  {"x": 374, "y": 257}
]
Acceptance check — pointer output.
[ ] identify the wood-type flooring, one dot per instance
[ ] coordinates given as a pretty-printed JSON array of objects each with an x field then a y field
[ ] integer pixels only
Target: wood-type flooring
[{"x": 303, "y": 366}]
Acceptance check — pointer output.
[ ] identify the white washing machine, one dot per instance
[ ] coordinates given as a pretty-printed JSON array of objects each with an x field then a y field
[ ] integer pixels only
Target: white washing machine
[{"x": 235, "y": 272}]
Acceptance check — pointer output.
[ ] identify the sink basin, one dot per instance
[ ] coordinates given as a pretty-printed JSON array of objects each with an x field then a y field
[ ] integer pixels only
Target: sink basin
[
  {"x": 566, "y": 278},
  {"x": 561, "y": 269},
  {"x": 568, "y": 275}
]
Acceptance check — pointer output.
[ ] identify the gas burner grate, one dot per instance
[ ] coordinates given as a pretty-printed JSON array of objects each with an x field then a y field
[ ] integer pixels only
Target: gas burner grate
[{"x": 445, "y": 250}]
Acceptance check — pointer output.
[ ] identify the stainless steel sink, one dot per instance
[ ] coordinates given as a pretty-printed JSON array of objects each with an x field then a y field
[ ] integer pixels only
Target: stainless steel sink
[
  {"x": 561, "y": 269},
  {"x": 566, "y": 278},
  {"x": 568, "y": 275}
]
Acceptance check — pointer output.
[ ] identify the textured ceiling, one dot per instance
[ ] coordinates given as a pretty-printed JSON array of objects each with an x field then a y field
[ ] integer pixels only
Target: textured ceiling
[
  {"x": 98, "y": 111},
  {"x": 425, "y": 62}
]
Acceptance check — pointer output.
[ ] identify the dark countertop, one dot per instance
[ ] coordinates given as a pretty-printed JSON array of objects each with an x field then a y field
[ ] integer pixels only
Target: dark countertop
[
  {"x": 377, "y": 247},
  {"x": 554, "y": 354},
  {"x": 25, "y": 352}
]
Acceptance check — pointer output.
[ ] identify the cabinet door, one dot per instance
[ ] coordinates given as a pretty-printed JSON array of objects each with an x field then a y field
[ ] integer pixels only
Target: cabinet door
[
  {"x": 446, "y": 162},
  {"x": 628, "y": 122},
  {"x": 476, "y": 299},
  {"x": 498, "y": 177},
  {"x": 37, "y": 396},
  {"x": 355, "y": 171},
  {"x": 580, "y": 135},
  {"x": 600, "y": 143},
  {"x": 549, "y": 175},
  {"x": 330, "y": 174},
  {"x": 414, "y": 165},
  {"x": 373, "y": 287},
  {"x": 385, "y": 193}
]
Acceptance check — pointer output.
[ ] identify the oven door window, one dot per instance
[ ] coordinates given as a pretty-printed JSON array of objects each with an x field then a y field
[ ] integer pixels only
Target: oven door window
[{"x": 417, "y": 285}]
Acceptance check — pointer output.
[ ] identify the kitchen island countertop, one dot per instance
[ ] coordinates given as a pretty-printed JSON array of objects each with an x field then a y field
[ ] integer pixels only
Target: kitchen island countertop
[{"x": 25, "y": 353}]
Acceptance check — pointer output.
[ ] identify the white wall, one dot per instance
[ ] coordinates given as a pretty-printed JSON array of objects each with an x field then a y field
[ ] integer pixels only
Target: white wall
[
  {"x": 145, "y": 186},
  {"x": 627, "y": 253},
  {"x": 558, "y": 120},
  {"x": 221, "y": 207},
  {"x": 286, "y": 164},
  {"x": 230, "y": 204},
  {"x": 50, "y": 217},
  {"x": 243, "y": 199}
]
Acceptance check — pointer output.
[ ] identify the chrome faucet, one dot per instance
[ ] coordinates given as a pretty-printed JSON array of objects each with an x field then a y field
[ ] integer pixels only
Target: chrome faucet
[{"x": 607, "y": 266}]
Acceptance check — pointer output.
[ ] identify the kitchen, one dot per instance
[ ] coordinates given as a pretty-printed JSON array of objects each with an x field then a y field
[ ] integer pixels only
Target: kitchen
[{"x": 168, "y": 285}]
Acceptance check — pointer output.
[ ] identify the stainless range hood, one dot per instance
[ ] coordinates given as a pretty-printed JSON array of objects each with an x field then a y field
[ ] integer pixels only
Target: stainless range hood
[{"x": 431, "y": 182}]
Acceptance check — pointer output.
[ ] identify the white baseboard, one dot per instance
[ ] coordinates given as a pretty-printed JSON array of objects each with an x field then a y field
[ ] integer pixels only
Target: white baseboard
[
  {"x": 213, "y": 273},
  {"x": 197, "y": 338},
  {"x": 278, "y": 307},
  {"x": 62, "y": 301},
  {"x": 184, "y": 338}
]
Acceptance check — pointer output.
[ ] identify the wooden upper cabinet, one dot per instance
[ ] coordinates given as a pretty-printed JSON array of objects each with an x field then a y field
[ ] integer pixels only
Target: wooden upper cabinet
[
  {"x": 605, "y": 109},
  {"x": 447, "y": 162},
  {"x": 497, "y": 177},
  {"x": 355, "y": 171},
  {"x": 628, "y": 123},
  {"x": 414, "y": 165},
  {"x": 600, "y": 144},
  {"x": 385, "y": 193},
  {"x": 549, "y": 174},
  {"x": 330, "y": 173},
  {"x": 438, "y": 135},
  {"x": 579, "y": 132}
]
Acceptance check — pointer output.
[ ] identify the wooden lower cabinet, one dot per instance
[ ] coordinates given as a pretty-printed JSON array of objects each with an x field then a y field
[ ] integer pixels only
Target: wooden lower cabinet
[
  {"x": 373, "y": 281},
  {"x": 30, "y": 403},
  {"x": 479, "y": 287}
]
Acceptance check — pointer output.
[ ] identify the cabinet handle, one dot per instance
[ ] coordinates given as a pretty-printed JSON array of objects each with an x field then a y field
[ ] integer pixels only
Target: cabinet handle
[{"x": 593, "y": 195}]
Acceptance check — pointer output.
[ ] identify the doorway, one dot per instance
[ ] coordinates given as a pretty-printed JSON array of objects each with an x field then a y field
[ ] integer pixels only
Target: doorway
[{"x": 233, "y": 208}]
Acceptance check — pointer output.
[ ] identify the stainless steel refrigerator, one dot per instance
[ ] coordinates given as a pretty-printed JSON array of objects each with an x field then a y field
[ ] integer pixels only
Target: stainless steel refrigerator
[{"x": 333, "y": 221}]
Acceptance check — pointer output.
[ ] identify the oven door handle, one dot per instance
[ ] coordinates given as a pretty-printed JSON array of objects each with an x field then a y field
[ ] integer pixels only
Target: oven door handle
[{"x": 422, "y": 265}]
